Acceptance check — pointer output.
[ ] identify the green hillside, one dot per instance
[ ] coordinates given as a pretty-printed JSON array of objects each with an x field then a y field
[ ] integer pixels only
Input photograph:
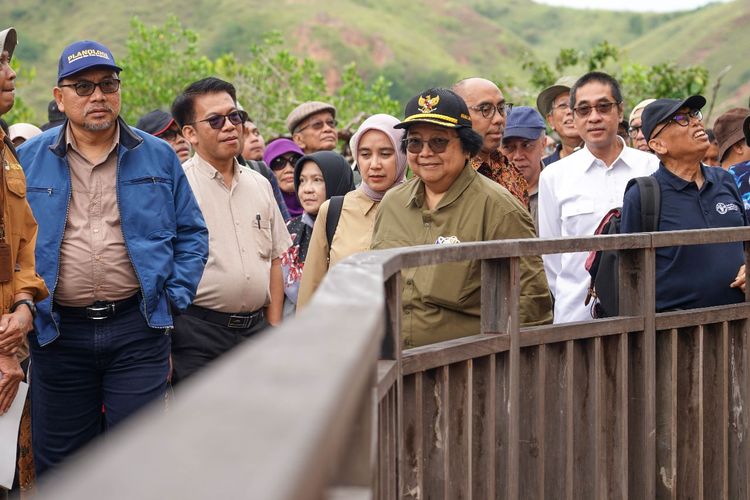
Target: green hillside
[{"x": 414, "y": 44}]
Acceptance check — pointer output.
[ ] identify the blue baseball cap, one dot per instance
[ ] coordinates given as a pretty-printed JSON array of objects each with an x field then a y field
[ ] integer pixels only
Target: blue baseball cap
[
  {"x": 524, "y": 122},
  {"x": 83, "y": 55}
]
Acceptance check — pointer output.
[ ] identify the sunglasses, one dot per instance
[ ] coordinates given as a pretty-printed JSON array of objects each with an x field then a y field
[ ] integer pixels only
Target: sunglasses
[
  {"x": 319, "y": 124},
  {"x": 217, "y": 121},
  {"x": 282, "y": 161},
  {"x": 85, "y": 88},
  {"x": 169, "y": 135},
  {"x": 488, "y": 110},
  {"x": 436, "y": 144},
  {"x": 602, "y": 108}
]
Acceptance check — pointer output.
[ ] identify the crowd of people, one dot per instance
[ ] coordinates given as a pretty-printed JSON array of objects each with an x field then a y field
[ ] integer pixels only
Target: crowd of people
[{"x": 132, "y": 257}]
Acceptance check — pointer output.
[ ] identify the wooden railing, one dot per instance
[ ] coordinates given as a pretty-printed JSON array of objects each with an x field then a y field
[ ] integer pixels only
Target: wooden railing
[{"x": 643, "y": 405}]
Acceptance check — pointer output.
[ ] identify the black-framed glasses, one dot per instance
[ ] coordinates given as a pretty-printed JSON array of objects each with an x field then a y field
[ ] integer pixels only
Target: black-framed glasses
[
  {"x": 681, "y": 119},
  {"x": 170, "y": 135},
  {"x": 633, "y": 131},
  {"x": 414, "y": 145},
  {"x": 216, "y": 122},
  {"x": 282, "y": 161},
  {"x": 488, "y": 110},
  {"x": 85, "y": 87},
  {"x": 602, "y": 108},
  {"x": 319, "y": 124}
]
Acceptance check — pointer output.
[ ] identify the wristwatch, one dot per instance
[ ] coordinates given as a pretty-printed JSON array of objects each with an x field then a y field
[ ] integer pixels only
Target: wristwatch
[{"x": 27, "y": 302}]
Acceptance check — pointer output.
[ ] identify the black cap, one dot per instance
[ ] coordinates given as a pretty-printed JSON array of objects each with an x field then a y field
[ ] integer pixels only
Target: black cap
[
  {"x": 746, "y": 129},
  {"x": 155, "y": 122},
  {"x": 55, "y": 117},
  {"x": 663, "y": 109},
  {"x": 437, "y": 106}
]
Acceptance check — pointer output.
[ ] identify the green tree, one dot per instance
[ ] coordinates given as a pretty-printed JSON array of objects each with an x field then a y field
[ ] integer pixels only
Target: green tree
[{"x": 21, "y": 112}]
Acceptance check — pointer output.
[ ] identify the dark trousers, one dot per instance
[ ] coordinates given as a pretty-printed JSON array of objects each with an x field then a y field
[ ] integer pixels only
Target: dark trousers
[
  {"x": 119, "y": 363},
  {"x": 197, "y": 342}
]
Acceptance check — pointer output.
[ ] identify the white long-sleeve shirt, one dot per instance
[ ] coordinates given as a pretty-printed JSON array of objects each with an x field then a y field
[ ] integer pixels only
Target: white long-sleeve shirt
[{"x": 575, "y": 193}]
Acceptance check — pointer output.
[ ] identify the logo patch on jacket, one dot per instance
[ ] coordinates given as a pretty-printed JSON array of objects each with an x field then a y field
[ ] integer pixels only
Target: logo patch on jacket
[
  {"x": 724, "y": 208},
  {"x": 447, "y": 240}
]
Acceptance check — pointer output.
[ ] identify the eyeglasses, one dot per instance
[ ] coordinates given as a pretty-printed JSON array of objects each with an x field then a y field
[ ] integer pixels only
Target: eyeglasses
[
  {"x": 437, "y": 145},
  {"x": 563, "y": 106},
  {"x": 681, "y": 119},
  {"x": 602, "y": 108},
  {"x": 217, "y": 121},
  {"x": 169, "y": 135},
  {"x": 85, "y": 88},
  {"x": 282, "y": 161},
  {"x": 488, "y": 110},
  {"x": 633, "y": 131},
  {"x": 319, "y": 124},
  {"x": 511, "y": 147}
]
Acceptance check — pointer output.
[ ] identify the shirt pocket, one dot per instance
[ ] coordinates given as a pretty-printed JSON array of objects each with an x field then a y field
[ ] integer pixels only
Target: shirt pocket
[
  {"x": 263, "y": 240},
  {"x": 16, "y": 182},
  {"x": 577, "y": 217}
]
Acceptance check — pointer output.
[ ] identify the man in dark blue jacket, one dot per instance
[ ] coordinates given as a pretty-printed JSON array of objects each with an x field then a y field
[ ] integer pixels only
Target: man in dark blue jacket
[
  {"x": 121, "y": 244},
  {"x": 693, "y": 196}
]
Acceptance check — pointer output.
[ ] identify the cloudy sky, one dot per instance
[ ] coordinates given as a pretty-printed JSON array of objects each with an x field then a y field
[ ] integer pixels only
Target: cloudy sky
[{"x": 635, "y": 5}]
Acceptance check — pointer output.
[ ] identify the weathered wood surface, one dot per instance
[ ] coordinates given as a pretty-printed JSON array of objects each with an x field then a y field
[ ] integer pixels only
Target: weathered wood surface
[{"x": 640, "y": 406}]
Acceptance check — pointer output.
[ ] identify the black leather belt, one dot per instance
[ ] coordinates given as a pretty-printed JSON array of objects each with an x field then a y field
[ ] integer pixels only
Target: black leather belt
[
  {"x": 229, "y": 320},
  {"x": 100, "y": 309}
]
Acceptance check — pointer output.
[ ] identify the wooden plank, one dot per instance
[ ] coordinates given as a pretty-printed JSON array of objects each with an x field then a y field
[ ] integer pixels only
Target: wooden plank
[
  {"x": 688, "y": 439},
  {"x": 556, "y": 410},
  {"x": 713, "y": 403},
  {"x": 637, "y": 460},
  {"x": 494, "y": 290},
  {"x": 666, "y": 408},
  {"x": 612, "y": 409},
  {"x": 484, "y": 391},
  {"x": 717, "y": 314},
  {"x": 551, "y": 334},
  {"x": 446, "y": 353},
  {"x": 502, "y": 424},
  {"x": 387, "y": 376},
  {"x": 584, "y": 458},
  {"x": 434, "y": 448},
  {"x": 411, "y": 470},
  {"x": 512, "y": 321},
  {"x": 739, "y": 426},
  {"x": 458, "y": 408},
  {"x": 530, "y": 465}
]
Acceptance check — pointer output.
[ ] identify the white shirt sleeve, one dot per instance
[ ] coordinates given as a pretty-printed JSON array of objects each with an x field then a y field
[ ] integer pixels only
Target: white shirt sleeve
[{"x": 549, "y": 224}]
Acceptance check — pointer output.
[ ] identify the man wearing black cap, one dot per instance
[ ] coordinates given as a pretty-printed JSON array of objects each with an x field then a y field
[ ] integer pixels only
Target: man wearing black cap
[
  {"x": 448, "y": 202},
  {"x": 122, "y": 244},
  {"x": 161, "y": 124},
  {"x": 693, "y": 196},
  {"x": 55, "y": 117}
]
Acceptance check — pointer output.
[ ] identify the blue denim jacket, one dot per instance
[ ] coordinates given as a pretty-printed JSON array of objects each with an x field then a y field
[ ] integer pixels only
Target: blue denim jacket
[{"x": 163, "y": 227}]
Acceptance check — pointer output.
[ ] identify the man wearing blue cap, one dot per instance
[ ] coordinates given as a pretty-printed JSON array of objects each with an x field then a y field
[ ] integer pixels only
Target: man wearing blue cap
[
  {"x": 523, "y": 144},
  {"x": 122, "y": 243},
  {"x": 693, "y": 196}
]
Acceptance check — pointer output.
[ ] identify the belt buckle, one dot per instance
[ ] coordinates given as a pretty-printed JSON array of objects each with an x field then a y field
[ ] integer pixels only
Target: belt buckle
[
  {"x": 237, "y": 321},
  {"x": 100, "y": 310}
]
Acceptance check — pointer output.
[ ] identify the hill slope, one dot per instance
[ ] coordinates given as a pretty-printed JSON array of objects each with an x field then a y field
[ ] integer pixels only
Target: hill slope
[{"x": 415, "y": 44}]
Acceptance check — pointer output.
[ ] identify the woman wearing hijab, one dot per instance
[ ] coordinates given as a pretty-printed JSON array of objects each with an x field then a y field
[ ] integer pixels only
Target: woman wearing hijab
[
  {"x": 317, "y": 177},
  {"x": 377, "y": 149},
  {"x": 281, "y": 155}
]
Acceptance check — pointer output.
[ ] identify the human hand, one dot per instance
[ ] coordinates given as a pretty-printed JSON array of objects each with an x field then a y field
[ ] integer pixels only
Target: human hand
[
  {"x": 12, "y": 374},
  {"x": 739, "y": 281},
  {"x": 13, "y": 329}
]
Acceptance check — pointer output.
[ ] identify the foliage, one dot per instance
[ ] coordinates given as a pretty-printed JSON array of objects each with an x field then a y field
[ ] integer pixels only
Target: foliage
[
  {"x": 21, "y": 112},
  {"x": 161, "y": 61},
  {"x": 638, "y": 81}
]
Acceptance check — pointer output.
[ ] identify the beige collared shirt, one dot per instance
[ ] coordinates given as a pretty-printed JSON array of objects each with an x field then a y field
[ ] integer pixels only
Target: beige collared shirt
[
  {"x": 94, "y": 261},
  {"x": 353, "y": 234},
  {"x": 245, "y": 232}
]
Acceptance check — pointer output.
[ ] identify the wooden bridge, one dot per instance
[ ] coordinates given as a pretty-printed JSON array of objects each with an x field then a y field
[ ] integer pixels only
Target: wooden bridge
[{"x": 328, "y": 406}]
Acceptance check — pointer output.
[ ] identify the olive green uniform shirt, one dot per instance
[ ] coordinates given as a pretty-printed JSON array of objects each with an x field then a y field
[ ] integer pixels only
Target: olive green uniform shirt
[{"x": 443, "y": 302}]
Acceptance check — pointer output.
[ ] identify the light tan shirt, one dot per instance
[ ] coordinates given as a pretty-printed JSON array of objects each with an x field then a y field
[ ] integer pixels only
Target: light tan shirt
[
  {"x": 94, "y": 261},
  {"x": 245, "y": 232},
  {"x": 353, "y": 234}
]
